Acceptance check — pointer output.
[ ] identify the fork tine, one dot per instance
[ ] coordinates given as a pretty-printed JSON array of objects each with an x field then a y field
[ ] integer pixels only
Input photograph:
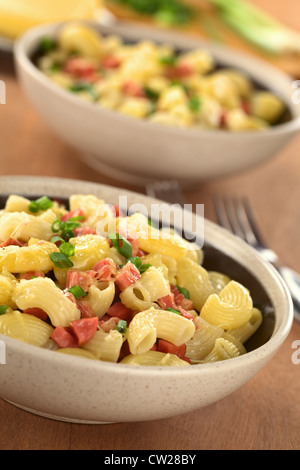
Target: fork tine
[
  {"x": 226, "y": 211},
  {"x": 250, "y": 220}
]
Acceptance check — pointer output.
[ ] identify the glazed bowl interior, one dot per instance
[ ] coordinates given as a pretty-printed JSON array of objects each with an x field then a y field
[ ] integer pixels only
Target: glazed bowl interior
[
  {"x": 140, "y": 151},
  {"x": 51, "y": 384}
]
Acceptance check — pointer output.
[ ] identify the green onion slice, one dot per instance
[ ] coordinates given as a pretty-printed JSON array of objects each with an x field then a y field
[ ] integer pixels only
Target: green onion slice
[
  {"x": 169, "y": 309},
  {"x": 67, "y": 249},
  {"x": 77, "y": 291},
  {"x": 3, "y": 309},
  {"x": 122, "y": 326},
  {"x": 41, "y": 204},
  {"x": 61, "y": 260},
  {"x": 184, "y": 292},
  {"x": 121, "y": 244},
  {"x": 136, "y": 260}
]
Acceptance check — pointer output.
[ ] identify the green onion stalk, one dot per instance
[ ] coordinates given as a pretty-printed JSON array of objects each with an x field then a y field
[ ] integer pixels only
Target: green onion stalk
[{"x": 258, "y": 27}]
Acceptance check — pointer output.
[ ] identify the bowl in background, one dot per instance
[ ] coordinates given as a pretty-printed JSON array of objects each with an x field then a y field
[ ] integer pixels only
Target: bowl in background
[
  {"x": 139, "y": 151},
  {"x": 81, "y": 390}
]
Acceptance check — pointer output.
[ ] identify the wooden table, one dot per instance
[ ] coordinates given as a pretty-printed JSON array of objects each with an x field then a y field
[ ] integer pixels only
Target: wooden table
[{"x": 265, "y": 413}]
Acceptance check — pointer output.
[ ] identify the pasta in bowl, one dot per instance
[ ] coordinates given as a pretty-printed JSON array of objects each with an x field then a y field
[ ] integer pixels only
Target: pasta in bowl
[
  {"x": 141, "y": 104},
  {"x": 113, "y": 310}
]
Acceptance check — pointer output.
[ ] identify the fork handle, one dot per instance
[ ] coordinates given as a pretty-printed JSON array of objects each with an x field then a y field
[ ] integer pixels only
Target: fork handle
[{"x": 292, "y": 279}]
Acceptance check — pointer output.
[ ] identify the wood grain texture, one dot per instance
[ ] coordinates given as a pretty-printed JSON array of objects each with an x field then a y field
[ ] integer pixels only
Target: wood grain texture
[{"x": 263, "y": 414}]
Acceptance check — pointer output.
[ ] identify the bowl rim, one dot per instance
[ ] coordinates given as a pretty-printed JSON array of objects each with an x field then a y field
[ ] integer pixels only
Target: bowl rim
[
  {"x": 30, "y": 37},
  {"x": 281, "y": 329}
]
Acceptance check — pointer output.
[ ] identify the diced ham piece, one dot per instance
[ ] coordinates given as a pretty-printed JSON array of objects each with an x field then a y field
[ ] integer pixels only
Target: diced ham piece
[
  {"x": 84, "y": 279},
  {"x": 121, "y": 311},
  {"x": 167, "y": 347},
  {"x": 182, "y": 70},
  {"x": 132, "y": 88},
  {"x": 84, "y": 329},
  {"x": 180, "y": 300},
  {"x": 69, "y": 215},
  {"x": 111, "y": 62},
  {"x": 81, "y": 68},
  {"x": 135, "y": 243},
  {"x": 30, "y": 274},
  {"x": 64, "y": 337},
  {"x": 12, "y": 241},
  {"x": 79, "y": 231},
  {"x": 167, "y": 302},
  {"x": 37, "y": 312},
  {"x": 127, "y": 276},
  {"x": 108, "y": 323},
  {"x": 105, "y": 269}
]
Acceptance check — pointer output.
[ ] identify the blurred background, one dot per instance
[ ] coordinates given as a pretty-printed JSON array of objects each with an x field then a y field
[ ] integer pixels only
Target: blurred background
[{"x": 260, "y": 27}]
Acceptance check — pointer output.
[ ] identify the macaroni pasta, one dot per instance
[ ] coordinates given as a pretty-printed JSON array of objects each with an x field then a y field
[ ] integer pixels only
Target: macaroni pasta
[{"x": 134, "y": 296}]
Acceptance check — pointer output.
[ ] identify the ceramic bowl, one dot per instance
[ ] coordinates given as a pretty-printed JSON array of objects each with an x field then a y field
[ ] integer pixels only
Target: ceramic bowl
[
  {"x": 86, "y": 391},
  {"x": 138, "y": 151}
]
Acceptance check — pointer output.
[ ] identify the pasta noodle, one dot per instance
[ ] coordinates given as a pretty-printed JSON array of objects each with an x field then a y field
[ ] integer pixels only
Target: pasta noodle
[{"x": 138, "y": 295}]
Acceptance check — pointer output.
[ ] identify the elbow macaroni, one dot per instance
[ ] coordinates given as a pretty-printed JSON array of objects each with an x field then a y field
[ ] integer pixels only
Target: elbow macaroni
[{"x": 167, "y": 310}]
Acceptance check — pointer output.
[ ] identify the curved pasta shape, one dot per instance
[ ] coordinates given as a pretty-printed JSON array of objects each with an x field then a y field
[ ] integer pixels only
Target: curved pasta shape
[
  {"x": 78, "y": 352},
  {"x": 44, "y": 294},
  {"x": 203, "y": 341},
  {"x": 244, "y": 332},
  {"x": 231, "y": 308},
  {"x": 136, "y": 297},
  {"x": 95, "y": 210},
  {"x": 101, "y": 297},
  {"x": 105, "y": 346},
  {"x": 154, "y": 358},
  {"x": 89, "y": 249},
  {"x": 195, "y": 278},
  {"x": 222, "y": 351},
  {"x": 33, "y": 257},
  {"x": 151, "y": 324},
  {"x": 16, "y": 203},
  {"x": 7, "y": 286},
  {"x": 23, "y": 226},
  {"x": 153, "y": 240},
  {"x": 154, "y": 281},
  {"x": 25, "y": 328},
  {"x": 241, "y": 348},
  {"x": 218, "y": 280}
]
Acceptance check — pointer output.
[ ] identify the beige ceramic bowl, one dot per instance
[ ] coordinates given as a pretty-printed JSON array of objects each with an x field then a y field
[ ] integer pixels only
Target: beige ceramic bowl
[
  {"x": 138, "y": 151},
  {"x": 83, "y": 390}
]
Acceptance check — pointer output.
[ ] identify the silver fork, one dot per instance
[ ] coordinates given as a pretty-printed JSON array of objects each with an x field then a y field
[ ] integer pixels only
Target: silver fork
[{"x": 237, "y": 216}]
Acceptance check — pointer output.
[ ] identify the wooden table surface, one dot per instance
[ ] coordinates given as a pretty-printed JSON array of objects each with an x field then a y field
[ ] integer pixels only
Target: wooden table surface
[{"x": 263, "y": 414}]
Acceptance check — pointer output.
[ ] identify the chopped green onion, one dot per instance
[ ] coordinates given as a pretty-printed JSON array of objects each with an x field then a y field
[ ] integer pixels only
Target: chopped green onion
[
  {"x": 184, "y": 292},
  {"x": 136, "y": 260},
  {"x": 121, "y": 244},
  {"x": 195, "y": 104},
  {"x": 77, "y": 291},
  {"x": 41, "y": 204},
  {"x": 61, "y": 260},
  {"x": 78, "y": 87},
  {"x": 56, "y": 226},
  {"x": 151, "y": 94},
  {"x": 3, "y": 309},
  {"x": 46, "y": 45},
  {"x": 169, "y": 309},
  {"x": 168, "y": 60},
  {"x": 67, "y": 249},
  {"x": 122, "y": 326},
  {"x": 66, "y": 228},
  {"x": 56, "y": 239}
]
